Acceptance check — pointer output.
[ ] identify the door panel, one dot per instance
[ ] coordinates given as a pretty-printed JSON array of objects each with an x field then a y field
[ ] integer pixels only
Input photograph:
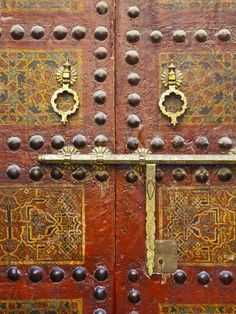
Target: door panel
[{"x": 51, "y": 216}]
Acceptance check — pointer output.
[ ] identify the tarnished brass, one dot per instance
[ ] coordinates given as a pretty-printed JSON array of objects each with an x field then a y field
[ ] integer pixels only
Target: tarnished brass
[
  {"x": 172, "y": 79},
  {"x": 66, "y": 77},
  {"x": 165, "y": 257}
]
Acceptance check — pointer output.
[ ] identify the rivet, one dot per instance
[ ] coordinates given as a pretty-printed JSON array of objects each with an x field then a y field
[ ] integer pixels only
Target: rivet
[
  {"x": 13, "y": 172},
  {"x": 100, "y": 97},
  {"x": 180, "y": 276},
  {"x": 60, "y": 32},
  {"x": 100, "y": 118},
  {"x": 101, "y": 140},
  {"x": 133, "y": 121},
  {"x": 79, "y": 141},
  {"x": 14, "y": 143},
  {"x": 179, "y": 36},
  {"x": 202, "y": 142},
  {"x": 101, "y": 273},
  {"x": 134, "y": 99},
  {"x": 100, "y": 293},
  {"x": 36, "y": 142},
  {"x": 78, "y": 32},
  {"x": 159, "y": 174},
  {"x": 201, "y": 35},
  {"x": 133, "y": 275},
  {"x": 102, "y": 7},
  {"x": 226, "y": 277},
  {"x": 101, "y": 175},
  {"x": 156, "y": 36},
  {"x": 132, "y": 57},
  {"x": 179, "y": 174},
  {"x": 99, "y": 311},
  {"x": 101, "y": 33},
  {"x": 79, "y": 273},
  {"x": 35, "y": 274},
  {"x": 225, "y": 142},
  {"x": 36, "y": 173},
  {"x": 133, "y": 36},
  {"x": 37, "y": 32},
  {"x": 100, "y": 75},
  {"x": 203, "y": 278},
  {"x": 79, "y": 174},
  {"x": 202, "y": 175},
  {"x": 100, "y": 53},
  {"x": 132, "y": 143},
  {"x": 57, "y": 274},
  {"x": 134, "y": 312},
  {"x": 134, "y": 296},
  {"x": 224, "y": 34},
  {"x": 224, "y": 174},
  {"x": 178, "y": 141},
  {"x": 17, "y": 32},
  {"x": 157, "y": 143},
  {"x": 131, "y": 176},
  {"x": 56, "y": 173},
  {"x": 13, "y": 274},
  {"x": 133, "y": 12},
  {"x": 133, "y": 79},
  {"x": 58, "y": 141}
]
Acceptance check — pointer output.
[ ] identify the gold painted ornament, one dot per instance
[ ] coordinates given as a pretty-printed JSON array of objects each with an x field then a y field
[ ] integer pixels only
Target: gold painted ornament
[{"x": 172, "y": 79}]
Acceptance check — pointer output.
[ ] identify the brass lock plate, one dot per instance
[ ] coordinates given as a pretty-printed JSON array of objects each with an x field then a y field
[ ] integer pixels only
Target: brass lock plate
[{"x": 165, "y": 256}]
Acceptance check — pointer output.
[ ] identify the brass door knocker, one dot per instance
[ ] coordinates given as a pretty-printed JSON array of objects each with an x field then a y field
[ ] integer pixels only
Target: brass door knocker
[
  {"x": 172, "y": 78},
  {"x": 66, "y": 76}
]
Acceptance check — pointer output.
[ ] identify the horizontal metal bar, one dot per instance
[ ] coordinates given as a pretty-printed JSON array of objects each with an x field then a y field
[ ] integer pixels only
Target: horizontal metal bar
[{"x": 117, "y": 159}]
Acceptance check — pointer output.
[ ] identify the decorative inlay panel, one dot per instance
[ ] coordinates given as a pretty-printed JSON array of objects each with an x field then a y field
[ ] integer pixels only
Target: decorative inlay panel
[
  {"x": 202, "y": 220},
  {"x": 43, "y": 224},
  {"x": 213, "y": 102},
  {"x": 41, "y": 306},
  {"x": 27, "y": 83},
  {"x": 197, "y": 4},
  {"x": 197, "y": 308}
]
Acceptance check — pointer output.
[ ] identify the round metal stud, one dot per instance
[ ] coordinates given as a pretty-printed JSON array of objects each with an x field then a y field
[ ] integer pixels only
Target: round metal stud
[
  {"x": 179, "y": 174},
  {"x": 101, "y": 273},
  {"x": 156, "y": 36},
  {"x": 134, "y": 99},
  {"x": 133, "y": 121},
  {"x": 101, "y": 140},
  {"x": 133, "y": 12},
  {"x": 225, "y": 143},
  {"x": 203, "y": 278},
  {"x": 100, "y": 75},
  {"x": 100, "y": 97},
  {"x": 36, "y": 142},
  {"x": 157, "y": 143},
  {"x": 13, "y": 273},
  {"x": 79, "y": 32},
  {"x": 224, "y": 174},
  {"x": 35, "y": 274},
  {"x": 36, "y": 173},
  {"x": 56, "y": 173},
  {"x": 132, "y": 143},
  {"x": 202, "y": 142},
  {"x": 14, "y": 142},
  {"x": 79, "y": 174},
  {"x": 223, "y": 34},
  {"x": 37, "y": 32},
  {"x": 133, "y": 36},
  {"x": 133, "y": 312},
  {"x": 179, "y": 36},
  {"x": 13, "y": 172},
  {"x": 132, "y": 57},
  {"x": 100, "y": 118},
  {"x": 131, "y": 176},
  {"x": 60, "y": 32},
  {"x": 133, "y": 79},
  {"x": 134, "y": 296},
  {"x": 202, "y": 175},
  {"x": 100, "y": 53},
  {"x": 101, "y": 33},
  {"x": 99, "y": 311},
  {"x": 159, "y": 174},
  {"x": 79, "y": 273},
  {"x": 201, "y": 35},
  {"x": 17, "y": 32},
  {"x": 57, "y": 274},
  {"x": 58, "y": 142},
  {"x": 180, "y": 277},
  {"x": 100, "y": 293},
  {"x": 102, "y": 7},
  {"x": 79, "y": 141},
  {"x": 133, "y": 275},
  {"x": 226, "y": 277},
  {"x": 101, "y": 175},
  {"x": 178, "y": 141}
]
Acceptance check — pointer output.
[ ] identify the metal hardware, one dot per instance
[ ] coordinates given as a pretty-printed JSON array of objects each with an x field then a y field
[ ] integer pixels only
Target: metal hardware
[
  {"x": 172, "y": 78},
  {"x": 101, "y": 156},
  {"x": 66, "y": 76},
  {"x": 166, "y": 256}
]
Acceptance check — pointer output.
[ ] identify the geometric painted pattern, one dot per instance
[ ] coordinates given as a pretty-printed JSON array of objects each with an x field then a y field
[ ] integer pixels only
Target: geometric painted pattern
[
  {"x": 174, "y": 5},
  {"x": 197, "y": 309},
  {"x": 202, "y": 221},
  {"x": 42, "y": 224},
  {"x": 27, "y": 83},
  {"x": 42, "y": 307},
  {"x": 208, "y": 84}
]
